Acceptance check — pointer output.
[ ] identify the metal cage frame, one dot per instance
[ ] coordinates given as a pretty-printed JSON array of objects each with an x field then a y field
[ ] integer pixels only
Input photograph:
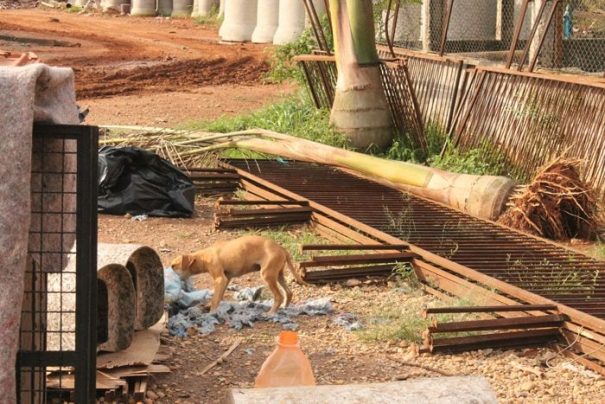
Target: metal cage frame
[{"x": 82, "y": 359}]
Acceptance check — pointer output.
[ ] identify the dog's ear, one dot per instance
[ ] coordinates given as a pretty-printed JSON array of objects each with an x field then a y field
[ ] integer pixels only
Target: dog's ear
[{"x": 186, "y": 262}]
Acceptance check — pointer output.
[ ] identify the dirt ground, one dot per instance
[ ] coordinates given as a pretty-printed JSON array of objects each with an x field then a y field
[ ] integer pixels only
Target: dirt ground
[
  {"x": 164, "y": 72},
  {"x": 168, "y": 71},
  {"x": 338, "y": 356}
]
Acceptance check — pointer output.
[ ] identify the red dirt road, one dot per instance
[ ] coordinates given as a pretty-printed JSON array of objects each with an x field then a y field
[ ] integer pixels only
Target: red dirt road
[
  {"x": 123, "y": 55},
  {"x": 146, "y": 71}
]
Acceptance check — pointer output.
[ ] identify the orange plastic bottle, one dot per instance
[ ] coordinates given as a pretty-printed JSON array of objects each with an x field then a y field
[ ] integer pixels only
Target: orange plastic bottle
[{"x": 287, "y": 365}]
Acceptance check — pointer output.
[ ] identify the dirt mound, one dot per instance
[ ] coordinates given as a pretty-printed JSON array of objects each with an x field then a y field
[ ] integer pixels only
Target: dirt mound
[{"x": 101, "y": 82}]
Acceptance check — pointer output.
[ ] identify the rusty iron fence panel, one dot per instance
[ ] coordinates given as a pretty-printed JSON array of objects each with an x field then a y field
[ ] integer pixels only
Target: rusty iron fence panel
[
  {"x": 320, "y": 74},
  {"x": 525, "y": 120},
  {"x": 438, "y": 83},
  {"x": 403, "y": 103}
]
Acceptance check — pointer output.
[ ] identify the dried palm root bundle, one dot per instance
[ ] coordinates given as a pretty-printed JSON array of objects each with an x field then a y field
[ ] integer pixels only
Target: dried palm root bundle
[{"x": 557, "y": 204}]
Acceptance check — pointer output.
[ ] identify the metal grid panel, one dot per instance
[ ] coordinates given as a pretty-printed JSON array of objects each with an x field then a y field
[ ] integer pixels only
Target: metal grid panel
[
  {"x": 56, "y": 361},
  {"x": 530, "y": 263}
]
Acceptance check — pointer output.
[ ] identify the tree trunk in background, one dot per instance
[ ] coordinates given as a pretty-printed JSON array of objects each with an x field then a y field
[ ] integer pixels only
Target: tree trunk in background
[{"x": 360, "y": 109}]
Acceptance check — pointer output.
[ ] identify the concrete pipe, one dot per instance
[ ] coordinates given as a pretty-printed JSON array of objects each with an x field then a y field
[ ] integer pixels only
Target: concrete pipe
[
  {"x": 221, "y": 8},
  {"x": 239, "y": 21},
  {"x": 181, "y": 8},
  {"x": 79, "y": 3},
  {"x": 165, "y": 8},
  {"x": 202, "y": 8},
  {"x": 143, "y": 8},
  {"x": 291, "y": 21},
  {"x": 267, "y": 17},
  {"x": 147, "y": 273},
  {"x": 115, "y": 5},
  {"x": 116, "y": 307},
  {"x": 116, "y": 304}
]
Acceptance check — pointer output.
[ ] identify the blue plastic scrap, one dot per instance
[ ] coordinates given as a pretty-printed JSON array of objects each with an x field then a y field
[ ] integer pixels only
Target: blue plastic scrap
[{"x": 186, "y": 307}]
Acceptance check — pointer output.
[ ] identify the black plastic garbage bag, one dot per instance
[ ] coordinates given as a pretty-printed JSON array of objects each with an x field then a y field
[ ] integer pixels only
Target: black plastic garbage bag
[{"x": 136, "y": 181}]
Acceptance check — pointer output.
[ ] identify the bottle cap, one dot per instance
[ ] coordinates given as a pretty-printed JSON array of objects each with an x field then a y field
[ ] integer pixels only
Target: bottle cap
[{"x": 288, "y": 338}]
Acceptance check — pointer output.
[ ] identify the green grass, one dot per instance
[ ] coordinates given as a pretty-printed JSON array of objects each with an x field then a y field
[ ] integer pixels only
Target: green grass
[
  {"x": 73, "y": 9},
  {"x": 211, "y": 19},
  {"x": 282, "y": 66},
  {"x": 295, "y": 116},
  {"x": 598, "y": 250},
  {"x": 403, "y": 322},
  {"x": 298, "y": 116}
]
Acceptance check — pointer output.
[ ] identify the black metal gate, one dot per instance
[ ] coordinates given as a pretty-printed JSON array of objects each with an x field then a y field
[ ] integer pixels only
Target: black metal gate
[{"x": 57, "y": 356}]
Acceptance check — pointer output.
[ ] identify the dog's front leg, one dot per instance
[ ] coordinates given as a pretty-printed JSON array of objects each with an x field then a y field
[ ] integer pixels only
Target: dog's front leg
[{"x": 220, "y": 285}]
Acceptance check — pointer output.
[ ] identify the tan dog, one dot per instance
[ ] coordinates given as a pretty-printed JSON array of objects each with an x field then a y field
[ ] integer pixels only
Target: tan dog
[{"x": 229, "y": 259}]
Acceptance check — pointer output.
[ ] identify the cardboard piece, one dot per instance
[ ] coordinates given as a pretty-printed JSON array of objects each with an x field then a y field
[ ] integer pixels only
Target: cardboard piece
[{"x": 142, "y": 351}]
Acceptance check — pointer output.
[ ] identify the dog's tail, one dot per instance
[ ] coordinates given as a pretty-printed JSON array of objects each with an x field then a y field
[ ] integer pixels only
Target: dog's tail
[{"x": 293, "y": 269}]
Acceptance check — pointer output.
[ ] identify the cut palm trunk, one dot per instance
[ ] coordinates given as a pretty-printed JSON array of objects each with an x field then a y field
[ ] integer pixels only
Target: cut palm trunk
[
  {"x": 360, "y": 109},
  {"x": 483, "y": 196}
]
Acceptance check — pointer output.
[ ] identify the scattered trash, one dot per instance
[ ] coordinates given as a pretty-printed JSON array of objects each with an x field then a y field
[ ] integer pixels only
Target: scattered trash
[
  {"x": 286, "y": 366},
  {"x": 181, "y": 294},
  {"x": 136, "y": 181},
  {"x": 239, "y": 314},
  {"x": 348, "y": 321},
  {"x": 249, "y": 294},
  {"x": 139, "y": 218}
]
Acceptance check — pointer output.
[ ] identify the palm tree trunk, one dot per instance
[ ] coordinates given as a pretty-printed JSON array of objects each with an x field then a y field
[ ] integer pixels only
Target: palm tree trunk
[{"x": 360, "y": 109}]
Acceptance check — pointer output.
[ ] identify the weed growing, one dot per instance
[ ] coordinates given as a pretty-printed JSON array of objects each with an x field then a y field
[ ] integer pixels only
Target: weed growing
[
  {"x": 283, "y": 67},
  {"x": 211, "y": 19}
]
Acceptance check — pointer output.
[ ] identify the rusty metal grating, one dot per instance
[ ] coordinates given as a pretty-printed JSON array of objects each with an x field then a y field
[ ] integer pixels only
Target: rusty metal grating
[{"x": 532, "y": 264}]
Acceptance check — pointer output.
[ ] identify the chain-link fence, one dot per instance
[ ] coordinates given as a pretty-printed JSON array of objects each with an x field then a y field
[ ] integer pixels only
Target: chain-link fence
[
  {"x": 524, "y": 34},
  {"x": 583, "y": 35}
]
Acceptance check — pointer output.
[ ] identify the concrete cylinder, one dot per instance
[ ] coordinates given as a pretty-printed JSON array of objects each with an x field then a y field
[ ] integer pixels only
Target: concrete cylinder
[
  {"x": 147, "y": 273},
  {"x": 107, "y": 5},
  {"x": 116, "y": 308},
  {"x": 117, "y": 313},
  {"x": 267, "y": 17},
  {"x": 79, "y": 3},
  {"x": 165, "y": 8},
  {"x": 143, "y": 8},
  {"x": 239, "y": 21},
  {"x": 291, "y": 21},
  {"x": 221, "y": 8},
  {"x": 181, "y": 8}
]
